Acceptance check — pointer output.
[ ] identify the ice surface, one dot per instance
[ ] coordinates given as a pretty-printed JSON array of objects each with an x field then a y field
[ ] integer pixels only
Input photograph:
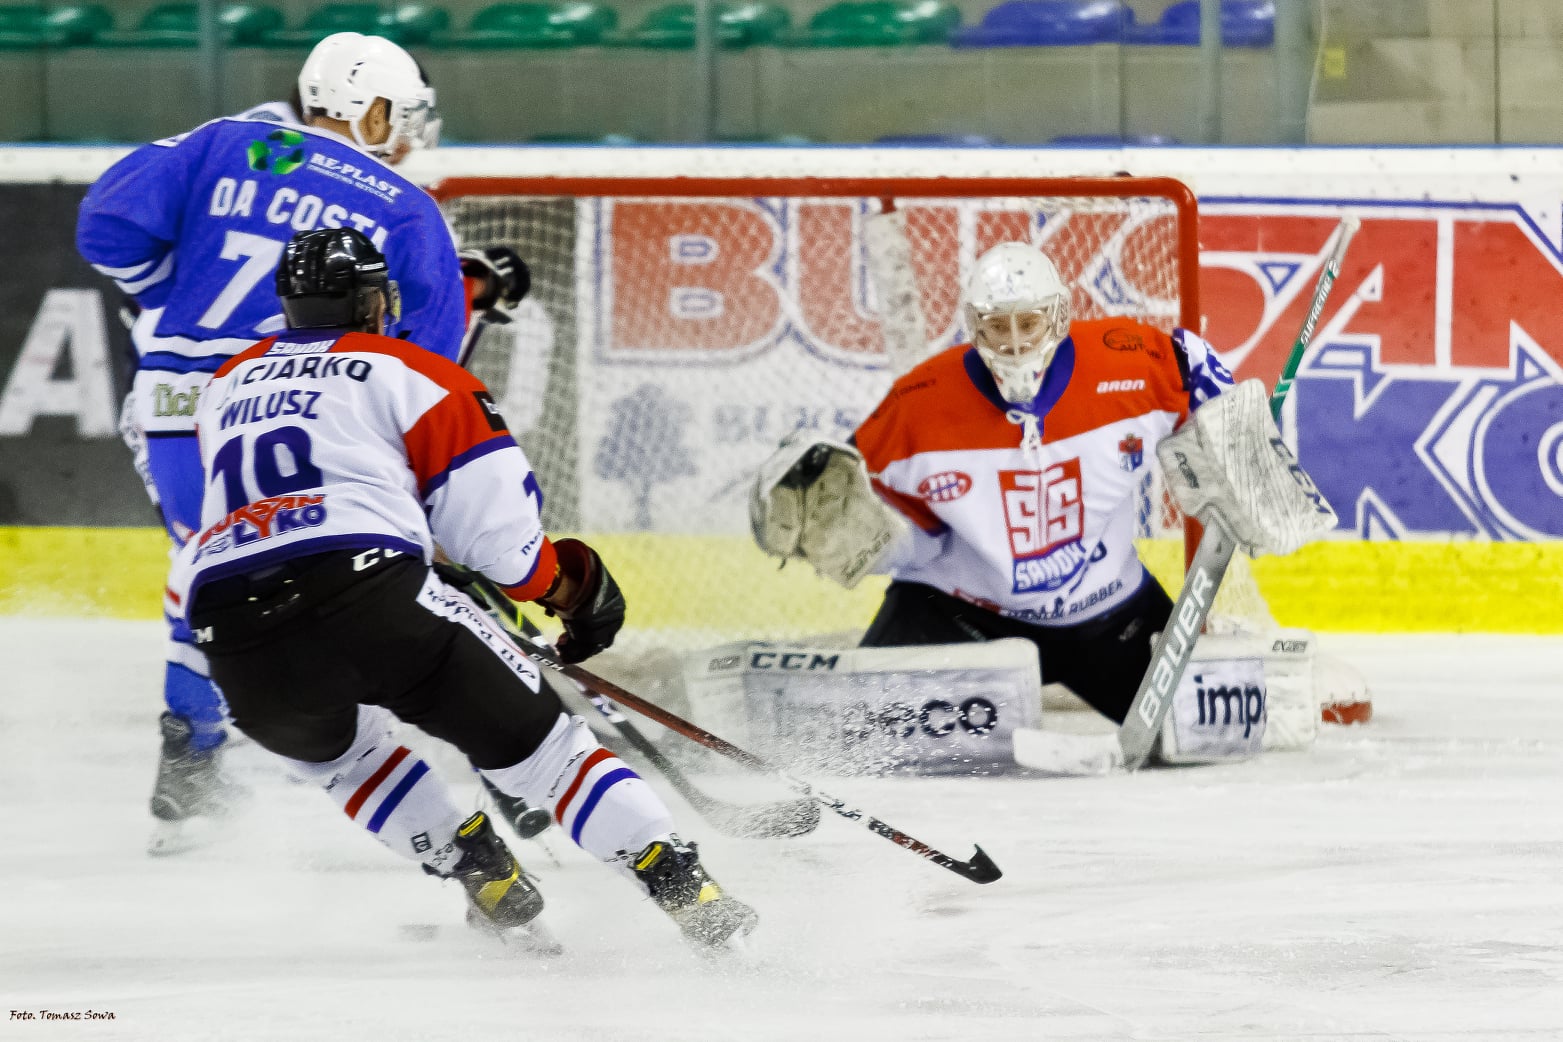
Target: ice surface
[{"x": 1400, "y": 881}]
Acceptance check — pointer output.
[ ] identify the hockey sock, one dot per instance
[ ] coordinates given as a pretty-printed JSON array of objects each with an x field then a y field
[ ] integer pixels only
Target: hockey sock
[
  {"x": 608, "y": 810},
  {"x": 189, "y": 692},
  {"x": 390, "y": 791}
]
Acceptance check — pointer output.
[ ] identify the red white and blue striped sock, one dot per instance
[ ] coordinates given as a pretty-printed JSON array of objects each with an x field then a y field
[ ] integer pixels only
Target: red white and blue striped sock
[
  {"x": 605, "y": 807},
  {"x": 390, "y": 791}
]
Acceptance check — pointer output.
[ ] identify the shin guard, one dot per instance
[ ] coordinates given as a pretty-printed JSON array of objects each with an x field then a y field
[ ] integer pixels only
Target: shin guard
[
  {"x": 390, "y": 791},
  {"x": 608, "y": 810}
]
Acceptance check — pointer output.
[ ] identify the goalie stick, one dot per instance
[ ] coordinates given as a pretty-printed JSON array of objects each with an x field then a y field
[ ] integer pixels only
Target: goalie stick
[
  {"x": 754, "y": 821},
  {"x": 979, "y": 868},
  {"x": 1175, "y": 644}
]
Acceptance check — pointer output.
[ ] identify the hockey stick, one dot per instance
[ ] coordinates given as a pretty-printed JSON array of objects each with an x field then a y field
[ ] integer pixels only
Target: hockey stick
[
  {"x": 979, "y": 869},
  {"x": 1175, "y": 644},
  {"x": 758, "y": 821},
  {"x": 782, "y": 818}
]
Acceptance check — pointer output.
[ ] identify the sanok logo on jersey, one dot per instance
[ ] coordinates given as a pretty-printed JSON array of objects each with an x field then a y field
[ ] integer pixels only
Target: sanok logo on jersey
[{"x": 1045, "y": 514}]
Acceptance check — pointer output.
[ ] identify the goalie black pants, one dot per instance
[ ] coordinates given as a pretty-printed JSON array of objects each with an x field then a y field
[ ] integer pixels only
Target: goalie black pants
[
  {"x": 1102, "y": 660},
  {"x": 296, "y": 649}
]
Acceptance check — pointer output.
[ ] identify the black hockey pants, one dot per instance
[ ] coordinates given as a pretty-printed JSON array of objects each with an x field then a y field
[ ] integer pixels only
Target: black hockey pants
[
  {"x": 1102, "y": 660},
  {"x": 297, "y": 647}
]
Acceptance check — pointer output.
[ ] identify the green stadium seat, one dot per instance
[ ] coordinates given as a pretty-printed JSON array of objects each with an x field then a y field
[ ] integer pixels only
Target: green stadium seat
[
  {"x": 22, "y": 28},
  {"x": 877, "y": 23},
  {"x": 76, "y": 25},
  {"x": 738, "y": 25},
  {"x": 580, "y": 139},
  {"x": 533, "y": 26},
  {"x": 773, "y": 141},
  {"x": 327, "y": 19},
  {"x": 414, "y": 24},
  {"x": 932, "y": 20},
  {"x": 178, "y": 25}
]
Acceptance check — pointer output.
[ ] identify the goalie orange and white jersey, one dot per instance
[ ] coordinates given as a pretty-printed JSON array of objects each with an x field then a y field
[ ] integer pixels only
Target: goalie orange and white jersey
[
  {"x": 1042, "y": 532},
  {"x": 316, "y": 441}
]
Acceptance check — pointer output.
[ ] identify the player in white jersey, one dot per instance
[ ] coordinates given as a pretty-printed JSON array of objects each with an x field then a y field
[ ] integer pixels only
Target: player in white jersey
[
  {"x": 364, "y": 90},
  {"x": 335, "y": 459},
  {"x": 1008, "y": 472}
]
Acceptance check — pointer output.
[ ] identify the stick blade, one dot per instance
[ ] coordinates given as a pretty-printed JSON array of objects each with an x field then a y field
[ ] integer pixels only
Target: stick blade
[{"x": 981, "y": 869}]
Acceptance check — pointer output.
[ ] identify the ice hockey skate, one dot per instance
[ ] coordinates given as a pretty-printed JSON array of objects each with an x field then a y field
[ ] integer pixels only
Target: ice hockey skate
[
  {"x": 682, "y": 888},
  {"x": 191, "y": 797},
  {"x": 502, "y": 899}
]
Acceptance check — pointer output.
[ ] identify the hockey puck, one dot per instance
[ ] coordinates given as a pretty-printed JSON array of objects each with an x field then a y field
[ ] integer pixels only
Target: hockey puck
[{"x": 532, "y": 822}]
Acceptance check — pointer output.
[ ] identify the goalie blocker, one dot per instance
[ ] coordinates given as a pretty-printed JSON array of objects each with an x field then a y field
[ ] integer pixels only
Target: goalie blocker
[{"x": 1229, "y": 459}]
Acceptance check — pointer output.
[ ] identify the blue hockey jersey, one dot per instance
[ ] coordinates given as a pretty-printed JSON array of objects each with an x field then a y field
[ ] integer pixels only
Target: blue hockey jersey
[{"x": 193, "y": 228}]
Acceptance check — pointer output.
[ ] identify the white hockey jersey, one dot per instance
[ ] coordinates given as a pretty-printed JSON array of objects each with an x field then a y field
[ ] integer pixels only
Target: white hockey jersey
[
  {"x": 315, "y": 442},
  {"x": 1030, "y": 512}
]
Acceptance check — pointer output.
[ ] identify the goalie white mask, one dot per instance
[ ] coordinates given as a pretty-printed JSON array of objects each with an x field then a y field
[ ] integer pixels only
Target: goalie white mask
[
  {"x": 346, "y": 72},
  {"x": 1017, "y": 311}
]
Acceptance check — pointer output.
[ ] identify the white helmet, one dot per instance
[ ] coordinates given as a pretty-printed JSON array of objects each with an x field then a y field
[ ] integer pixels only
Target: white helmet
[
  {"x": 346, "y": 72},
  {"x": 1017, "y": 311}
]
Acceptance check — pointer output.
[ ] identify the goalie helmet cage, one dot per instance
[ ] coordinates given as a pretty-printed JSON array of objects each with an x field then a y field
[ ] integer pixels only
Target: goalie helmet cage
[{"x": 679, "y": 326}]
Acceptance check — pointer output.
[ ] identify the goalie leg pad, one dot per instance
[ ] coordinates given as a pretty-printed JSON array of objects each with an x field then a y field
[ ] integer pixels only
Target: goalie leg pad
[
  {"x": 1243, "y": 693},
  {"x": 933, "y": 709},
  {"x": 1218, "y": 711}
]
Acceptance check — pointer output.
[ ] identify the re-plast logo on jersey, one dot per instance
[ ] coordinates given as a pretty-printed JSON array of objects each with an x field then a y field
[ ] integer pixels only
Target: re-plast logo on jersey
[
  {"x": 281, "y": 152},
  {"x": 1045, "y": 514},
  {"x": 944, "y": 487}
]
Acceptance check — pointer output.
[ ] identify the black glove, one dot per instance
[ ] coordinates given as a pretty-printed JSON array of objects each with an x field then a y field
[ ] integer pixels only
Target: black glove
[
  {"x": 596, "y": 611},
  {"x": 505, "y": 276}
]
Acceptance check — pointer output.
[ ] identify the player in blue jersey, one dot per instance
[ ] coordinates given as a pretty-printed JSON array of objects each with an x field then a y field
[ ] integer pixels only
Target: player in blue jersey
[{"x": 192, "y": 229}]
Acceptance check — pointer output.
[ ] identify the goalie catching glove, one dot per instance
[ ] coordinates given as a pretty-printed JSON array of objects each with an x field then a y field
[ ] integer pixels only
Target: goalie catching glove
[
  {"x": 812, "y": 499},
  {"x": 1228, "y": 459}
]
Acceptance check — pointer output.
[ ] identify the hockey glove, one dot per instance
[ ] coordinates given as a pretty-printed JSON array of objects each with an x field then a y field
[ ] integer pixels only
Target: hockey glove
[
  {"x": 503, "y": 275},
  {"x": 813, "y": 499},
  {"x": 596, "y": 609}
]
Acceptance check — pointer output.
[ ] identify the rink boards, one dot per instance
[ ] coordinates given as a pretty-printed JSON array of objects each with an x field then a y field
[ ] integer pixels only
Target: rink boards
[
  {"x": 1339, "y": 585},
  {"x": 1430, "y": 412}
]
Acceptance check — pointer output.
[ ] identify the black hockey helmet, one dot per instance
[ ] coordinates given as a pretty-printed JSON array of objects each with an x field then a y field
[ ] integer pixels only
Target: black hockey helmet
[{"x": 329, "y": 279}]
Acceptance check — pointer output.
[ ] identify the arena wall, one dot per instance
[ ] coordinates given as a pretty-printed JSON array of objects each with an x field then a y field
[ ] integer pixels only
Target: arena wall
[{"x": 1430, "y": 411}]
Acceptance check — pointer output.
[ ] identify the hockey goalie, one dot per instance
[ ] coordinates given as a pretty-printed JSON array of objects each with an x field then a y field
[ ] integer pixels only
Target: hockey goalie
[{"x": 997, "y": 483}]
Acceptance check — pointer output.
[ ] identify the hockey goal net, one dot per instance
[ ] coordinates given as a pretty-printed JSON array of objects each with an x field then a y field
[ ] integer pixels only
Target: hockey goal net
[{"x": 678, "y": 328}]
